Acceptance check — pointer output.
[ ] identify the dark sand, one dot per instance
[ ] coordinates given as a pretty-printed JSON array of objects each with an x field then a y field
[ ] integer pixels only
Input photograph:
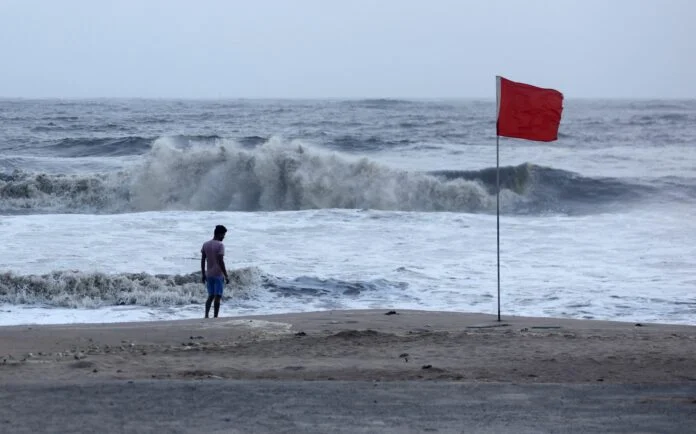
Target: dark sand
[
  {"x": 354, "y": 345},
  {"x": 412, "y": 371}
]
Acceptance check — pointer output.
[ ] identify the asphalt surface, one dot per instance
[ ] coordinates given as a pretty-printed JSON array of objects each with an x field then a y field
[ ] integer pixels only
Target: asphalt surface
[{"x": 211, "y": 406}]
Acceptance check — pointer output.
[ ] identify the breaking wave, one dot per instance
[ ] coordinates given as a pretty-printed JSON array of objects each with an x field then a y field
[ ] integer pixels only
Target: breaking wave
[
  {"x": 275, "y": 176},
  {"x": 74, "y": 289},
  {"x": 278, "y": 175}
]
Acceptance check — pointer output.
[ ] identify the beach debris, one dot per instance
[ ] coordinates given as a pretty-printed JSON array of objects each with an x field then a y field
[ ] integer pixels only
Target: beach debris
[
  {"x": 488, "y": 325},
  {"x": 391, "y": 312},
  {"x": 404, "y": 356},
  {"x": 82, "y": 364},
  {"x": 639, "y": 324},
  {"x": 300, "y": 334},
  {"x": 196, "y": 337},
  {"x": 427, "y": 366}
]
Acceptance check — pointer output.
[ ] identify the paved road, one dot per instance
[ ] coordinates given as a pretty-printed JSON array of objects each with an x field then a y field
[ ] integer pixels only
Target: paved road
[{"x": 344, "y": 407}]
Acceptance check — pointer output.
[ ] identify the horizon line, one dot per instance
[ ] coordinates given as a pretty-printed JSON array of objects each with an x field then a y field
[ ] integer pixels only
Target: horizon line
[{"x": 340, "y": 98}]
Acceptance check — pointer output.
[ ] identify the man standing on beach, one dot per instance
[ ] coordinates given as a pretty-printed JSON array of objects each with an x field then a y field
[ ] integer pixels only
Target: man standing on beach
[{"x": 212, "y": 254}]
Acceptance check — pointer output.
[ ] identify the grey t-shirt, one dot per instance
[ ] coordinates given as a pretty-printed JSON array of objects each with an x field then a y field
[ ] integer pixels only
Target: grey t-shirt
[{"x": 212, "y": 249}]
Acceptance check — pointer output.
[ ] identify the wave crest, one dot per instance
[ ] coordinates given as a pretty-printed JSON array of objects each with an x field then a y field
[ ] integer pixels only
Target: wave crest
[
  {"x": 285, "y": 176},
  {"x": 75, "y": 289},
  {"x": 290, "y": 176},
  {"x": 227, "y": 176}
]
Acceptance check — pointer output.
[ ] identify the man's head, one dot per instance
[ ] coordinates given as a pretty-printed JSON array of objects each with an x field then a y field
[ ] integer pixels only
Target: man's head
[{"x": 220, "y": 232}]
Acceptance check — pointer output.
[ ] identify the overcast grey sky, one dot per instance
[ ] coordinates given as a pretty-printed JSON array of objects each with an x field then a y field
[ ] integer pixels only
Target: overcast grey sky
[{"x": 345, "y": 48}]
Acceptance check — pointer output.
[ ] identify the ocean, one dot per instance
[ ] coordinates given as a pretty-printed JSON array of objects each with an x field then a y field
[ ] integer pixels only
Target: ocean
[{"x": 344, "y": 204}]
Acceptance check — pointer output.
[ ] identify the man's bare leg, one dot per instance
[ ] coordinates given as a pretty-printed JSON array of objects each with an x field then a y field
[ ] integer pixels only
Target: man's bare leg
[
  {"x": 209, "y": 302},
  {"x": 217, "y": 305}
]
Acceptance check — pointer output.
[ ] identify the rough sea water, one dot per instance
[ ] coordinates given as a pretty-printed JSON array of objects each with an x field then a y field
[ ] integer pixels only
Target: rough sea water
[{"x": 333, "y": 204}]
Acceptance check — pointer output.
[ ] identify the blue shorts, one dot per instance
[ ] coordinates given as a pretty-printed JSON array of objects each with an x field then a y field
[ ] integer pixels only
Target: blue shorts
[{"x": 215, "y": 285}]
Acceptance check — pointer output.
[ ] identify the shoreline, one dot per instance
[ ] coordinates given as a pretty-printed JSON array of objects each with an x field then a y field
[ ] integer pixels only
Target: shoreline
[
  {"x": 354, "y": 345},
  {"x": 199, "y": 310}
]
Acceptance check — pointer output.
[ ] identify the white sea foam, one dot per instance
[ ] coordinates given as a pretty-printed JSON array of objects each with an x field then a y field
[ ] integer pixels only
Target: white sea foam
[{"x": 633, "y": 267}]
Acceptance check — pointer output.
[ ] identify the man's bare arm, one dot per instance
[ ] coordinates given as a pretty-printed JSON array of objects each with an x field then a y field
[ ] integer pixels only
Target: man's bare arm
[
  {"x": 203, "y": 266},
  {"x": 221, "y": 263}
]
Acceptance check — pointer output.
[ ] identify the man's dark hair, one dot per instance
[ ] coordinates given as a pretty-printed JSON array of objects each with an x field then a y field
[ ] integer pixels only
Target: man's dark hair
[{"x": 220, "y": 230}]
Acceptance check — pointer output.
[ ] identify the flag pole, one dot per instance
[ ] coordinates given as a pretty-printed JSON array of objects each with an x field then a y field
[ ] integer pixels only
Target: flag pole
[
  {"x": 497, "y": 210},
  {"x": 497, "y": 184}
]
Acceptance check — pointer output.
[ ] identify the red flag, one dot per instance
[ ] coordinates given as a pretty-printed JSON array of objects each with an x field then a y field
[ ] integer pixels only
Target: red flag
[{"x": 528, "y": 112}]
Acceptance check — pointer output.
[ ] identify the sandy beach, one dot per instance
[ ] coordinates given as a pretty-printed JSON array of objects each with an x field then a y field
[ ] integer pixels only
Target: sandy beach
[{"x": 374, "y": 345}]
